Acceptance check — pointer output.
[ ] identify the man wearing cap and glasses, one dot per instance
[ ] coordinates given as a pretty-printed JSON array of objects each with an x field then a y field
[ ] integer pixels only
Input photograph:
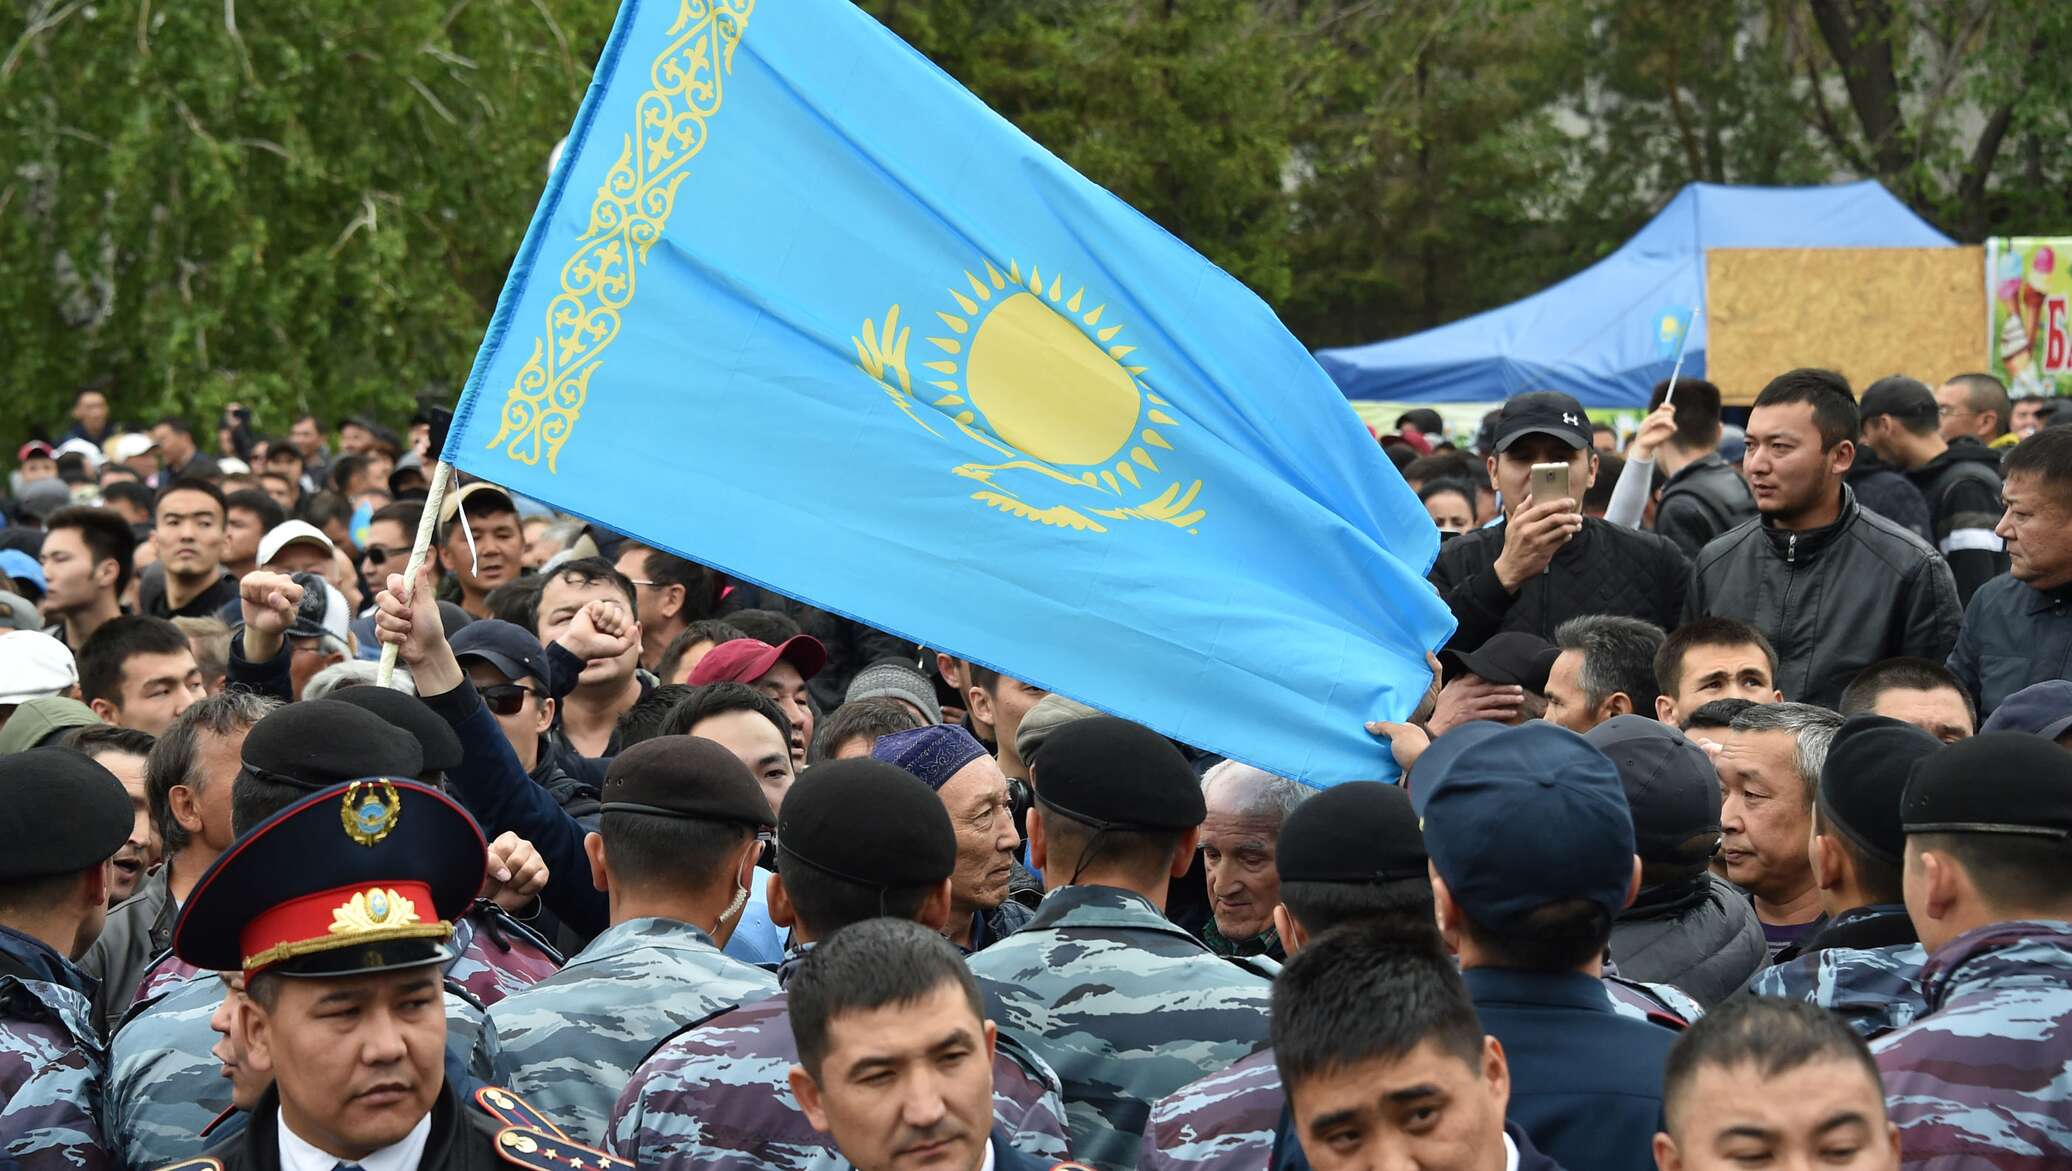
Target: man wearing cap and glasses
[
  {"x": 338, "y": 911},
  {"x": 1546, "y": 563},
  {"x": 682, "y": 827},
  {"x": 1980, "y": 1079},
  {"x": 510, "y": 672}
]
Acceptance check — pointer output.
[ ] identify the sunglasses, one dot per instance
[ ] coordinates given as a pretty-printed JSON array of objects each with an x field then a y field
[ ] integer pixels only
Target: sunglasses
[
  {"x": 376, "y": 556},
  {"x": 506, "y": 699}
]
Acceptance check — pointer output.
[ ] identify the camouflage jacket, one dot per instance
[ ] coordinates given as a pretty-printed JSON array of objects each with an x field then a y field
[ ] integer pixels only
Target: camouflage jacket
[
  {"x": 715, "y": 1098},
  {"x": 1124, "y": 1005},
  {"x": 51, "y": 1062},
  {"x": 167, "y": 1097},
  {"x": 1224, "y": 1122},
  {"x": 1876, "y": 989},
  {"x": 1980, "y": 1080},
  {"x": 1642, "y": 1001},
  {"x": 572, "y": 1041}
]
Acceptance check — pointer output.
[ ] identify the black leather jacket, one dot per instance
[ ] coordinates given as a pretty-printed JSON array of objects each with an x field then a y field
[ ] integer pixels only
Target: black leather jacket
[{"x": 1832, "y": 600}]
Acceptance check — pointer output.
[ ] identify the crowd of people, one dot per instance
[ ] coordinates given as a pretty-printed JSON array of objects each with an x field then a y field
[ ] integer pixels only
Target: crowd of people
[{"x": 1735, "y": 830}]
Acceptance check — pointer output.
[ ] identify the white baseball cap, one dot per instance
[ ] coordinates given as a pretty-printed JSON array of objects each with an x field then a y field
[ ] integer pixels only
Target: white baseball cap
[
  {"x": 34, "y": 665},
  {"x": 289, "y": 532},
  {"x": 129, "y": 445}
]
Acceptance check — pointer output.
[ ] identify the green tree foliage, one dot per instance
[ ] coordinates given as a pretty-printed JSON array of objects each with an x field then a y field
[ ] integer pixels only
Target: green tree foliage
[
  {"x": 312, "y": 203},
  {"x": 295, "y": 204}
]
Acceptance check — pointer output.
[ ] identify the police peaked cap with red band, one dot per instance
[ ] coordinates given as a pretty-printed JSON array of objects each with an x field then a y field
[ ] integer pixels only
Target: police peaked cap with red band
[{"x": 360, "y": 877}]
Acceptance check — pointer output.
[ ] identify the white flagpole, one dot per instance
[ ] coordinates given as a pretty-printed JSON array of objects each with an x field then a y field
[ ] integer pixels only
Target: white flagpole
[
  {"x": 442, "y": 475},
  {"x": 1690, "y": 327}
]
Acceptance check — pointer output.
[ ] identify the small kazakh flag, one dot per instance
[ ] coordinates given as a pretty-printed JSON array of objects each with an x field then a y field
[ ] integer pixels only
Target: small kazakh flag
[{"x": 798, "y": 306}]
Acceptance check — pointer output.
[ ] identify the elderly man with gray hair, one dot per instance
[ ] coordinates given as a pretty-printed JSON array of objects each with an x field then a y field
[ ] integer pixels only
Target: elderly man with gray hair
[
  {"x": 1246, "y": 808},
  {"x": 1769, "y": 769}
]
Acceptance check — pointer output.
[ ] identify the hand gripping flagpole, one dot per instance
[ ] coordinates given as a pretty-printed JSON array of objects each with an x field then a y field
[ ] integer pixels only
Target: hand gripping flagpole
[
  {"x": 442, "y": 475},
  {"x": 1669, "y": 394}
]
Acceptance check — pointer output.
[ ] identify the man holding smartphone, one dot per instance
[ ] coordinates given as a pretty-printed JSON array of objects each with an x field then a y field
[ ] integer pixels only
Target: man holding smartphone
[{"x": 1545, "y": 562}]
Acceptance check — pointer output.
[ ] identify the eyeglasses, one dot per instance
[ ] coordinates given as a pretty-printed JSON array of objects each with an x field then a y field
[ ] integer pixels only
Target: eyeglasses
[
  {"x": 506, "y": 699},
  {"x": 376, "y": 556}
]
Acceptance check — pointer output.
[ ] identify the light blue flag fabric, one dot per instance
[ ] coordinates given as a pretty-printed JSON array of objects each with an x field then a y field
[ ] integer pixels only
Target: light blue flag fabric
[{"x": 798, "y": 306}]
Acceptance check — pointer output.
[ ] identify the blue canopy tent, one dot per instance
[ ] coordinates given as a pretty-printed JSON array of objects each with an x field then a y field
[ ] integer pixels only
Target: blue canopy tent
[{"x": 1610, "y": 332}]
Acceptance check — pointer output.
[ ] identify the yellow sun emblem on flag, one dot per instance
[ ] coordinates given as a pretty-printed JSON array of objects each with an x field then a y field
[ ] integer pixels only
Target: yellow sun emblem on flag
[{"x": 1029, "y": 372}]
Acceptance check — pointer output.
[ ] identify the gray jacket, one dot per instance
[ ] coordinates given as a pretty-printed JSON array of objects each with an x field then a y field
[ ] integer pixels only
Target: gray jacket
[
  {"x": 1703, "y": 939},
  {"x": 139, "y": 930}
]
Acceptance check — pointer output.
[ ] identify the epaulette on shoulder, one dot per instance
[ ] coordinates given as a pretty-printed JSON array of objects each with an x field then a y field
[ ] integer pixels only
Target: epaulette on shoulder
[
  {"x": 514, "y": 1111},
  {"x": 1667, "y": 1020},
  {"x": 198, "y": 1163},
  {"x": 546, "y": 1152},
  {"x": 1070, "y": 1166}
]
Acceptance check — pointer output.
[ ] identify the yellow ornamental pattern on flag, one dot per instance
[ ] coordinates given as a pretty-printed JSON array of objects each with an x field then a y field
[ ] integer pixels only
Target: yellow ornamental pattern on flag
[
  {"x": 627, "y": 217},
  {"x": 1036, "y": 376}
]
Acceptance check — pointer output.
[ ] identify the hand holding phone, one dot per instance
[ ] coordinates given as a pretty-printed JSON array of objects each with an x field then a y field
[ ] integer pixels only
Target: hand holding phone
[{"x": 1548, "y": 519}]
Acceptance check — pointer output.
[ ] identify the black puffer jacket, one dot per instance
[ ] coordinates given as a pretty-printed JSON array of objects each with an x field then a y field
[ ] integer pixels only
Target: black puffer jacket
[
  {"x": 1604, "y": 569},
  {"x": 1702, "y": 936},
  {"x": 1705, "y": 498},
  {"x": 1833, "y": 600}
]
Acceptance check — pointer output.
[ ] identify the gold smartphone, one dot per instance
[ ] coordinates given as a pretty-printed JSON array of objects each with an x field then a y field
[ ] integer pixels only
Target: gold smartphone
[{"x": 1549, "y": 482}]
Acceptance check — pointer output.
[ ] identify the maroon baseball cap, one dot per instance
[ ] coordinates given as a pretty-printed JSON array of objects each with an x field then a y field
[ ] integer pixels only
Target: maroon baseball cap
[{"x": 745, "y": 660}]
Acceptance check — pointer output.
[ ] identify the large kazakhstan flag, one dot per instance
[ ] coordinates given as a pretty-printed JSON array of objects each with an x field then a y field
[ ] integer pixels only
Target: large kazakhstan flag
[{"x": 798, "y": 306}]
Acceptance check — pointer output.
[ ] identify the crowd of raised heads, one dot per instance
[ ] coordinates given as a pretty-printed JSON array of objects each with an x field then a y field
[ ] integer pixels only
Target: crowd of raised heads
[{"x": 1734, "y": 830}]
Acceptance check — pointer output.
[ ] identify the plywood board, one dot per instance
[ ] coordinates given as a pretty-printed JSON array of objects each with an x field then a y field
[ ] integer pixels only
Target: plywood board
[{"x": 1865, "y": 312}]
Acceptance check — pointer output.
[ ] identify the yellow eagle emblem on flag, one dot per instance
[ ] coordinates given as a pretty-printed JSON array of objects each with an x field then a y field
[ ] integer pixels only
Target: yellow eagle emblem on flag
[{"x": 1028, "y": 373}]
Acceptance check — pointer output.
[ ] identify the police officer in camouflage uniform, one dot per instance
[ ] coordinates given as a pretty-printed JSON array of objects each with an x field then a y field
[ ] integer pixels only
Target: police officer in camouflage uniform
[
  {"x": 857, "y": 840},
  {"x": 1117, "y": 813},
  {"x": 1980, "y": 1079},
  {"x": 62, "y": 816},
  {"x": 1352, "y": 854},
  {"x": 675, "y": 849},
  {"x": 1865, "y": 961}
]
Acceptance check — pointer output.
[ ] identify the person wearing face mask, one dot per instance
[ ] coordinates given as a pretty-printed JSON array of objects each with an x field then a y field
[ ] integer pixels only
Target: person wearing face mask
[{"x": 674, "y": 852}]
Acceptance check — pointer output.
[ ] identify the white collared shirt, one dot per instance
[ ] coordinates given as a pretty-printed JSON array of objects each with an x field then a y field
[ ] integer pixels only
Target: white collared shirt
[
  {"x": 988, "y": 1164},
  {"x": 1510, "y": 1155},
  {"x": 299, "y": 1155}
]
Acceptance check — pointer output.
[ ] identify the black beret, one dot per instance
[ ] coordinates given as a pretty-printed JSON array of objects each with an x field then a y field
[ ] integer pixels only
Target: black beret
[
  {"x": 435, "y": 737},
  {"x": 1993, "y": 783},
  {"x": 867, "y": 822},
  {"x": 60, "y": 813},
  {"x": 319, "y": 743},
  {"x": 688, "y": 777},
  {"x": 1864, "y": 779},
  {"x": 1357, "y": 832},
  {"x": 1112, "y": 774}
]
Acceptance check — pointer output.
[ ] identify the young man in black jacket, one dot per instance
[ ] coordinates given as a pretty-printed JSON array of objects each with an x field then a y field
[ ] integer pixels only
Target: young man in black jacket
[
  {"x": 1702, "y": 495},
  {"x": 1959, "y": 481},
  {"x": 1546, "y": 563},
  {"x": 1835, "y": 587}
]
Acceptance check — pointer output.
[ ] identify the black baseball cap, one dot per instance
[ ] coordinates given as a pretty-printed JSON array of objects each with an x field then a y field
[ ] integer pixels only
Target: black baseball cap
[
  {"x": 1543, "y": 412},
  {"x": 508, "y": 648},
  {"x": 1511, "y": 657},
  {"x": 1671, "y": 787}
]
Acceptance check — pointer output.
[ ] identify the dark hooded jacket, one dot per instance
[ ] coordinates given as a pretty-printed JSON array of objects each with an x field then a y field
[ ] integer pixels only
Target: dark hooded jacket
[
  {"x": 1885, "y": 490},
  {"x": 1705, "y": 498}
]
